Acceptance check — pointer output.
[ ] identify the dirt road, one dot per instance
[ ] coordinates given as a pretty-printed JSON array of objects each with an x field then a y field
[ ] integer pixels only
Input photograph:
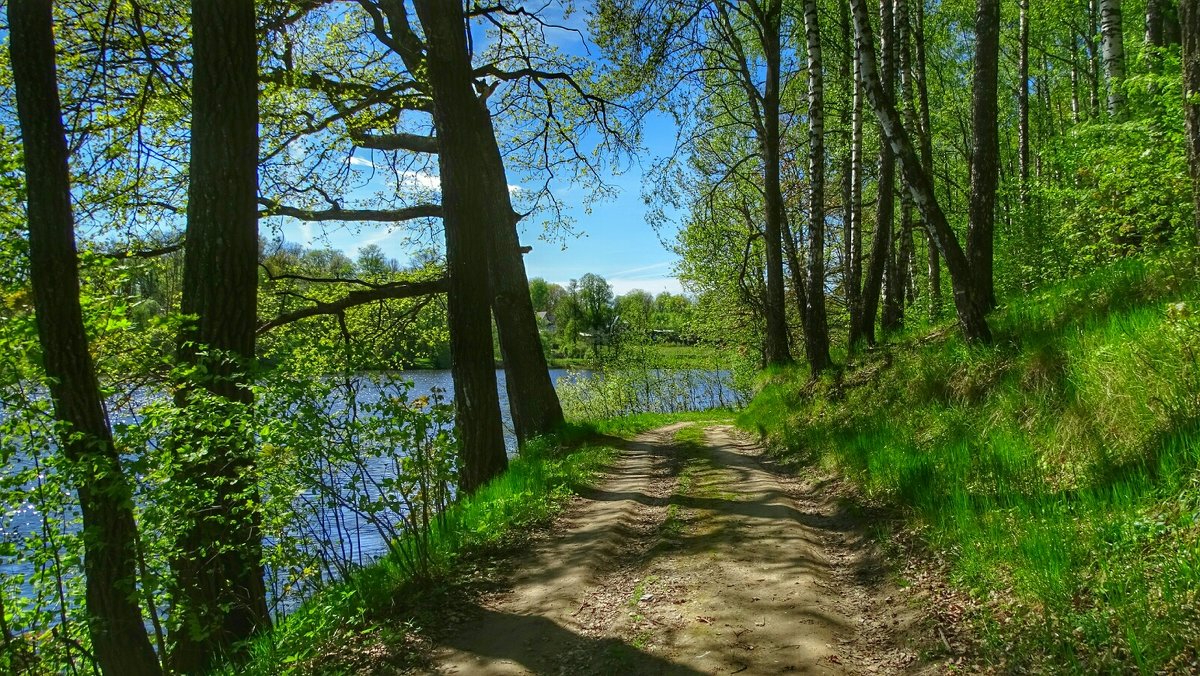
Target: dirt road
[{"x": 693, "y": 557}]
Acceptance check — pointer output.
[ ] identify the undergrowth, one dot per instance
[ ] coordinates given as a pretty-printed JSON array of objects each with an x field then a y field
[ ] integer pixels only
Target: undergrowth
[
  {"x": 1055, "y": 469},
  {"x": 534, "y": 488},
  {"x": 381, "y": 599}
]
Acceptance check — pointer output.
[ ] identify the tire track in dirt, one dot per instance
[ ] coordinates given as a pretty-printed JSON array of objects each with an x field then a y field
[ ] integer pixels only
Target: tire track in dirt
[
  {"x": 693, "y": 558},
  {"x": 534, "y": 628}
]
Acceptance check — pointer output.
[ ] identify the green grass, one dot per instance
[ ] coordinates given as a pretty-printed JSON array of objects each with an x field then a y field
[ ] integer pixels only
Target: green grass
[
  {"x": 665, "y": 356},
  {"x": 376, "y": 599},
  {"x": 1056, "y": 469},
  {"x": 383, "y": 600},
  {"x": 632, "y": 425},
  {"x": 555, "y": 362},
  {"x": 684, "y": 356}
]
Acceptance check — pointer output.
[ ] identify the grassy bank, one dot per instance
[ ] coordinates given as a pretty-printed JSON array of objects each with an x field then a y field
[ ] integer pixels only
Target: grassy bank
[
  {"x": 1056, "y": 470},
  {"x": 386, "y": 608},
  {"x": 664, "y": 356},
  {"x": 628, "y": 426}
]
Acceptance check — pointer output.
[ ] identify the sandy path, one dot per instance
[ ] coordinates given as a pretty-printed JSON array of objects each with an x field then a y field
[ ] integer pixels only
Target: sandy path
[{"x": 693, "y": 559}]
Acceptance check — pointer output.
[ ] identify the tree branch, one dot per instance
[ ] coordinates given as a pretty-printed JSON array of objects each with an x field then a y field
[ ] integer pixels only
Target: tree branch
[
  {"x": 400, "y": 141},
  {"x": 355, "y": 298},
  {"x": 337, "y": 213}
]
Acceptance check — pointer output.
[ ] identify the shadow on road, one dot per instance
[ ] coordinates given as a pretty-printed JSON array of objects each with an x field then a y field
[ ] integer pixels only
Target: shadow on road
[{"x": 558, "y": 651}]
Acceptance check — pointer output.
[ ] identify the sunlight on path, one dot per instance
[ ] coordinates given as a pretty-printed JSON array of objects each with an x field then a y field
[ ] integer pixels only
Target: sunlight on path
[{"x": 692, "y": 558}]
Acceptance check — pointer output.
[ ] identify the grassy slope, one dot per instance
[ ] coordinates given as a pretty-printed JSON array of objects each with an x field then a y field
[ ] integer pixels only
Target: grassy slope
[{"x": 1057, "y": 469}]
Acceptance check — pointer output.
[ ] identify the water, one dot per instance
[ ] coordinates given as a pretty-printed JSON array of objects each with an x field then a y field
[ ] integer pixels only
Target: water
[
  {"x": 348, "y": 537},
  {"x": 424, "y": 382},
  {"x": 358, "y": 541}
]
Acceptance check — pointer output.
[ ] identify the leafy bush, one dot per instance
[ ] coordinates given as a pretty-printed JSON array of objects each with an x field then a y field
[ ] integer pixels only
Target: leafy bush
[{"x": 636, "y": 381}]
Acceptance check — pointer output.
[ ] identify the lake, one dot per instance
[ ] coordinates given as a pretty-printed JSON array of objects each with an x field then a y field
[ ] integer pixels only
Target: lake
[{"x": 355, "y": 541}]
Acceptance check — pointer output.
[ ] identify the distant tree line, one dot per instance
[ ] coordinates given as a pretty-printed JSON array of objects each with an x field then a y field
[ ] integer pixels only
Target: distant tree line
[{"x": 582, "y": 315}]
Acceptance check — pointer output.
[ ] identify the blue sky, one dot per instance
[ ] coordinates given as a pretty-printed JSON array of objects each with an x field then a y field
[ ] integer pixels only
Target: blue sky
[{"x": 614, "y": 240}]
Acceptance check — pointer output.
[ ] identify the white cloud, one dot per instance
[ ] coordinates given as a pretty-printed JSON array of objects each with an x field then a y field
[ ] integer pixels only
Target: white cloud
[
  {"x": 645, "y": 268},
  {"x": 420, "y": 180},
  {"x": 377, "y": 237},
  {"x": 514, "y": 189},
  {"x": 306, "y": 233},
  {"x": 654, "y": 285},
  {"x": 361, "y": 162}
]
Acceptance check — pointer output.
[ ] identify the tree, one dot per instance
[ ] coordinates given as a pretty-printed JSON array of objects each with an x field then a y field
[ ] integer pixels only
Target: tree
[
  {"x": 595, "y": 302},
  {"x": 852, "y": 177},
  {"x": 933, "y": 263},
  {"x": 971, "y": 312},
  {"x": 374, "y": 264},
  {"x": 534, "y": 403},
  {"x": 220, "y": 598},
  {"x": 985, "y": 161},
  {"x": 1113, "y": 46},
  {"x": 816, "y": 328},
  {"x": 1189, "y": 21},
  {"x": 768, "y": 17},
  {"x": 115, "y": 622},
  {"x": 1162, "y": 24},
  {"x": 727, "y": 53},
  {"x": 636, "y": 311},
  {"x": 1023, "y": 105},
  {"x": 881, "y": 239},
  {"x": 462, "y": 122},
  {"x": 539, "y": 294}
]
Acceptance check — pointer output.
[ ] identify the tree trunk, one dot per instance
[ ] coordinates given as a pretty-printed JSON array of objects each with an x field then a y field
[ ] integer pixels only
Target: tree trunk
[
  {"x": 1023, "y": 105},
  {"x": 891, "y": 318},
  {"x": 1113, "y": 48},
  {"x": 1155, "y": 23},
  {"x": 531, "y": 395},
  {"x": 220, "y": 595},
  {"x": 851, "y": 174},
  {"x": 1075, "y": 111},
  {"x": 1093, "y": 57},
  {"x": 1189, "y": 23},
  {"x": 985, "y": 150},
  {"x": 881, "y": 245},
  {"x": 856, "y": 208},
  {"x": 816, "y": 328},
  {"x": 905, "y": 247},
  {"x": 791, "y": 249},
  {"x": 933, "y": 263},
  {"x": 1170, "y": 23},
  {"x": 777, "y": 336},
  {"x": 462, "y": 121},
  {"x": 118, "y": 636},
  {"x": 971, "y": 314}
]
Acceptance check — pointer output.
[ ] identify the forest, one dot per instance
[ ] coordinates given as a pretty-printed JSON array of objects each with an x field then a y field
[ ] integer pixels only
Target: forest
[{"x": 929, "y": 401}]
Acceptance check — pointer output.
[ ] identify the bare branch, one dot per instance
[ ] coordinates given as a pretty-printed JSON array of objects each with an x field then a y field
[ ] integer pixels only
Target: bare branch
[
  {"x": 399, "y": 141},
  {"x": 392, "y": 291},
  {"x": 337, "y": 213}
]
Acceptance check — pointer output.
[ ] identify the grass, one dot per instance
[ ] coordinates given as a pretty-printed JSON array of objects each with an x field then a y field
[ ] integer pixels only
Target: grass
[
  {"x": 383, "y": 599},
  {"x": 1057, "y": 470},
  {"x": 629, "y": 426},
  {"x": 385, "y": 603},
  {"x": 666, "y": 356}
]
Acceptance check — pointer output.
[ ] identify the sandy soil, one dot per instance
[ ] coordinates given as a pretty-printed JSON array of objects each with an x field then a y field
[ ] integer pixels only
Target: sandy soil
[{"x": 693, "y": 559}]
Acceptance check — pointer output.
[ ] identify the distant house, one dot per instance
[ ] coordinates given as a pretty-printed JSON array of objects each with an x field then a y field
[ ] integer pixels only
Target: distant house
[
  {"x": 597, "y": 338},
  {"x": 546, "y": 321},
  {"x": 664, "y": 335}
]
